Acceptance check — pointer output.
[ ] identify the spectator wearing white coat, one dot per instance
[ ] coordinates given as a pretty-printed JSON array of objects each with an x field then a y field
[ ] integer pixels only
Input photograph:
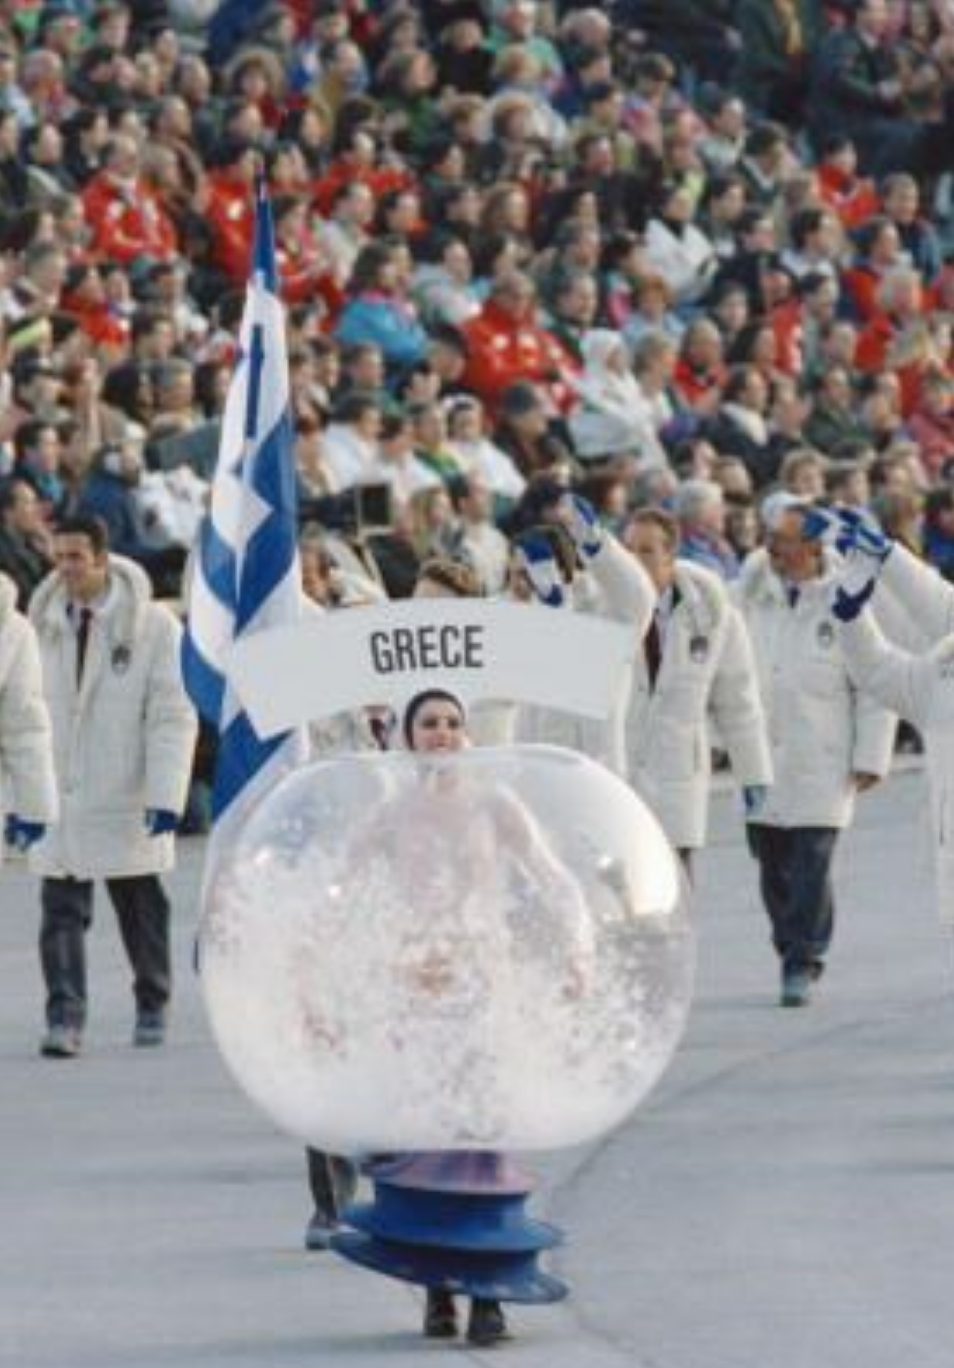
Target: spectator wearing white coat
[
  {"x": 477, "y": 540},
  {"x": 26, "y": 746},
  {"x": 123, "y": 740},
  {"x": 678, "y": 250},
  {"x": 828, "y": 741},
  {"x": 477, "y": 454},
  {"x": 569, "y": 563},
  {"x": 696, "y": 663},
  {"x": 610, "y": 419}
]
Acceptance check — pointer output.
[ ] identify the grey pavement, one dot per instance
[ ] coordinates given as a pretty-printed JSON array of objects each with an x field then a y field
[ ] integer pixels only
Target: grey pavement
[{"x": 784, "y": 1200}]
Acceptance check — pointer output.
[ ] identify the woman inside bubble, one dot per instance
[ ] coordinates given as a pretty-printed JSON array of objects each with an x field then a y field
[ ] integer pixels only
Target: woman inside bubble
[
  {"x": 463, "y": 843},
  {"x": 454, "y": 840}
]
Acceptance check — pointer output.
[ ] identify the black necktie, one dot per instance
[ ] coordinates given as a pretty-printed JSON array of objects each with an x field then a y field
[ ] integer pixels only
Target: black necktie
[
  {"x": 792, "y": 592},
  {"x": 82, "y": 641},
  {"x": 652, "y": 649}
]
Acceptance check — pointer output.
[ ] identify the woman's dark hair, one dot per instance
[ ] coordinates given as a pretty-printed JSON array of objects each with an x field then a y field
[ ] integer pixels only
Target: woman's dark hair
[
  {"x": 617, "y": 248},
  {"x": 418, "y": 702},
  {"x": 371, "y": 260},
  {"x": 743, "y": 345}
]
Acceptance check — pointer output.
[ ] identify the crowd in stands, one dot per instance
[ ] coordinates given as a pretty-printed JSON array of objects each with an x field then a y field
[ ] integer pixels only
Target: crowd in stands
[{"x": 668, "y": 252}]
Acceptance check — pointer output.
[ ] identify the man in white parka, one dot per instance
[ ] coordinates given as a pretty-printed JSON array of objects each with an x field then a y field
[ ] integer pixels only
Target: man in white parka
[
  {"x": 829, "y": 741},
  {"x": 917, "y": 683},
  {"x": 26, "y": 743},
  {"x": 696, "y": 663},
  {"x": 123, "y": 737}
]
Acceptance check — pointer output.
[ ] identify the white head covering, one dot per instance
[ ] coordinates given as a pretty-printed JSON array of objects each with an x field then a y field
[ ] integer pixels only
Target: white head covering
[{"x": 603, "y": 424}]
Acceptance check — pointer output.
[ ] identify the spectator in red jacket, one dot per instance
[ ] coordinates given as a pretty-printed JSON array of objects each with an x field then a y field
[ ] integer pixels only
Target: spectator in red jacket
[
  {"x": 126, "y": 219},
  {"x": 900, "y": 302},
  {"x": 932, "y": 423},
  {"x": 879, "y": 251},
  {"x": 701, "y": 371},
  {"x": 505, "y": 343},
  {"x": 853, "y": 198},
  {"x": 231, "y": 213},
  {"x": 305, "y": 272},
  {"x": 84, "y": 298}
]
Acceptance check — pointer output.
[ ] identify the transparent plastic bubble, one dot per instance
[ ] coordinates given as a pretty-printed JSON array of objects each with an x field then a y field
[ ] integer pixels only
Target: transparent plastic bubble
[{"x": 489, "y": 949}]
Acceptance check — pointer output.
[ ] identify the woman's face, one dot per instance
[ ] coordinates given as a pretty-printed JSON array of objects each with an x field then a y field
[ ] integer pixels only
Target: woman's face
[
  {"x": 466, "y": 425},
  {"x": 516, "y": 211},
  {"x": 765, "y": 349},
  {"x": 438, "y": 726}
]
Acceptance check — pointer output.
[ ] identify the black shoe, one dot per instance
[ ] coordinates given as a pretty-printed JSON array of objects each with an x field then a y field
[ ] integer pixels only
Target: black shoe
[
  {"x": 150, "y": 1029},
  {"x": 440, "y": 1315},
  {"x": 61, "y": 1042},
  {"x": 320, "y": 1231},
  {"x": 796, "y": 988},
  {"x": 487, "y": 1324}
]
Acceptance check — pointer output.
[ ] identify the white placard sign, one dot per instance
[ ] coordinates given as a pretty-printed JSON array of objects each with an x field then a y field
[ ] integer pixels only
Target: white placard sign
[{"x": 386, "y": 653}]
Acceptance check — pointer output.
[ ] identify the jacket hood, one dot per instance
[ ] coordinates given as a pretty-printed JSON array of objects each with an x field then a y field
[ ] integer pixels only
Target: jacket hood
[
  {"x": 131, "y": 592},
  {"x": 702, "y": 596}
]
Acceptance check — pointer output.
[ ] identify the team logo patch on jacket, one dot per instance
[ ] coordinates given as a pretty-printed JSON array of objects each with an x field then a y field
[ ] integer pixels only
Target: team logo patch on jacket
[{"x": 121, "y": 659}]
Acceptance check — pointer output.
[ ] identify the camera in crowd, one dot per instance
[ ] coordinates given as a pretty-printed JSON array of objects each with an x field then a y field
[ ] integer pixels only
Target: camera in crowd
[{"x": 363, "y": 510}]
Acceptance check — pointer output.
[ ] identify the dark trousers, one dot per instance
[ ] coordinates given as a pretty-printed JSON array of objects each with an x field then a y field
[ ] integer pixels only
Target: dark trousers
[
  {"x": 795, "y": 876},
  {"x": 142, "y": 910},
  {"x": 333, "y": 1181}
]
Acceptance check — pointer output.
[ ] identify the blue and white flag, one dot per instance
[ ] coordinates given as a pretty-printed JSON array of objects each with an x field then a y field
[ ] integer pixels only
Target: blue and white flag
[{"x": 246, "y": 575}]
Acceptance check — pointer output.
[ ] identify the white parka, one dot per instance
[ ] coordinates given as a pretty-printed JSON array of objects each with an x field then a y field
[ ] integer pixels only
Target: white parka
[
  {"x": 26, "y": 742},
  {"x": 707, "y": 670},
  {"x": 921, "y": 689},
  {"x": 915, "y": 675},
  {"x": 822, "y": 730},
  {"x": 614, "y": 586},
  {"x": 123, "y": 741}
]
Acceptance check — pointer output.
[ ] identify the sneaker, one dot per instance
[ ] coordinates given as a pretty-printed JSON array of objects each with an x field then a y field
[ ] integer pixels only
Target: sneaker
[
  {"x": 319, "y": 1232},
  {"x": 150, "y": 1029},
  {"x": 440, "y": 1315},
  {"x": 487, "y": 1325},
  {"x": 796, "y": 988},
  {"x": 61, "y": 1042}
]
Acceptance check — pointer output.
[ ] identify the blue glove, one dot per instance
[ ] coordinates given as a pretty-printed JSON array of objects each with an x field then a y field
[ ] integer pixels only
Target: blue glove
[
  {"x": 21, "y": 835},
  {"x": 857, "y": 581},
  {"x": 754, "y": 797},
  {"x": 847, "y": 530},
  {"x": 160, "y": 822},
  {"x": 536, "y": 559},
  {"x": 582, "y": 522}
]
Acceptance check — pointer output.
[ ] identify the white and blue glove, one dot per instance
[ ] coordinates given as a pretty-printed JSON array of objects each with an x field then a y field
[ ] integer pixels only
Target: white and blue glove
[
  {"x": 865, "y": 549},
  {"x": 846, "y": 529},
  {"x": 581, "y": 520},
  {"x": 160, "y": 822},
  {"x": 535, "y": 557},
  {"x": 21, "y": 834},
  {"x": 857, "y": 581}
]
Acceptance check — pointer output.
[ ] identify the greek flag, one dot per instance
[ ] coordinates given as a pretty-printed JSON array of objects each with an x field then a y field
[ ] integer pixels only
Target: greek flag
[{"x": 246, "y": 575}]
